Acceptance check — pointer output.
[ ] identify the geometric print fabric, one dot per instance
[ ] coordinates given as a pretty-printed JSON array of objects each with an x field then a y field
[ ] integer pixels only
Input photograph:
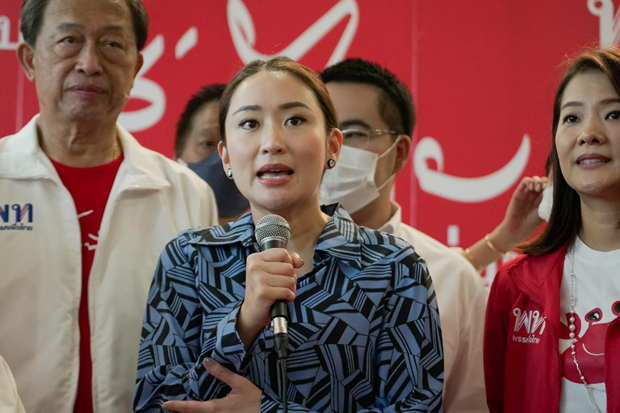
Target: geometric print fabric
[{"x": 364, "y": 330}]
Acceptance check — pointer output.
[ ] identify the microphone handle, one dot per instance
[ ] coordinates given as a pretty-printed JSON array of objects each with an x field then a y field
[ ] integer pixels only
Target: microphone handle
[
  {"x": 279, "y": 310},
  {"x": 279, "y": 322}
]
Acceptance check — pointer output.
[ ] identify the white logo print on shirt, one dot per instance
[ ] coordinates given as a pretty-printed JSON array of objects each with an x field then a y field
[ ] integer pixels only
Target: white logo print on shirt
[
  {"x": 532, "y": 324},
  {"x": 93, "y": 237}
]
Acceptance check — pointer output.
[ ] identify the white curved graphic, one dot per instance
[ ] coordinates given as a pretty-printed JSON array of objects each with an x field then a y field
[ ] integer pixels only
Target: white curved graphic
[
  {"x": 466, "y": 189},
  {"x": 5, "y": 34},
  {"x": 187, "y": 42},
  {"x": 592, "y": 354},
  {"x": 609, "y": 21},
  {"x": 147, "y": 90},
  {"x": 243, "y": 33}
]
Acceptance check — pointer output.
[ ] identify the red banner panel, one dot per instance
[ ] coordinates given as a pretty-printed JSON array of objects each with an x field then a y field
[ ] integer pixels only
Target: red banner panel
[{"x": 483, "y": 74}]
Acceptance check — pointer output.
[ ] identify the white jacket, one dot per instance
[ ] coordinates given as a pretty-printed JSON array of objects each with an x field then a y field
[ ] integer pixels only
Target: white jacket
[
  {"x": 151, "y": 201},
  {"x": 9, "y": 399},
  {"x": 462, "y": 300}
]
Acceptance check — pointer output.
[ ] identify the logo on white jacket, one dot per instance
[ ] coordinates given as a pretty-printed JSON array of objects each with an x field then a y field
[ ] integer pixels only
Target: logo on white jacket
[
  {"x": 528, "y": 326},
  {"x": 16, "y": 217}
]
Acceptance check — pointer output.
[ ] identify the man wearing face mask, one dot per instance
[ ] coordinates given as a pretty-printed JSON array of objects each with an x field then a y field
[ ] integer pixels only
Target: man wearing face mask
[
  {"x": 376, "y": 117},
  {"x": 195, "y": 145}
]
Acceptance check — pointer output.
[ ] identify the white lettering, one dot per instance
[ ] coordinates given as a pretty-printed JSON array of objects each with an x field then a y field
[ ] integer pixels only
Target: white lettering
[
  {"x": 243, "y": 33},
  {"x": 526, "y": 340},
  {"x": 531, "y": 320},
  {"x": 148, "y": 90},
  {"x": 609, "y": 23},
  {"x": 5, "y": 35},
  {"x": 466, "y": 189},
  {"x": 186, "y": 43}
]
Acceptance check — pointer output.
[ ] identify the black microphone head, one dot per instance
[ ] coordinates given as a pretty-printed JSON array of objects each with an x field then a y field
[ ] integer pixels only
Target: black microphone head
[{"x": 272, "y": 231}]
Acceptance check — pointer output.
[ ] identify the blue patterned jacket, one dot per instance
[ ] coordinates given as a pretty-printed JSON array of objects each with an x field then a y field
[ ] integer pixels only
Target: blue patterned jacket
[{"x": 364, "y": 330}]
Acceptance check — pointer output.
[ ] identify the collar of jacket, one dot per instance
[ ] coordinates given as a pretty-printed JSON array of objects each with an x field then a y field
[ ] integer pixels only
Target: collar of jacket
[
  {"x": 22, "y": 158},
  {"x": 340, "y": 237},
  {"x": 539, "y": 278}
]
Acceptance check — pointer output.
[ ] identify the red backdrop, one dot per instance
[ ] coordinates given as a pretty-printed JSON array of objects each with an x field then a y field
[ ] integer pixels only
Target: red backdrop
[{"x": 483, "y": 74}]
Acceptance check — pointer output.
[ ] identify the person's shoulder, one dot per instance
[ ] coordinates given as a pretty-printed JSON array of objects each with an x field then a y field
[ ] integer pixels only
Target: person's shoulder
[
  {"x": 4, "y": 141},
  {"x": 179, "y": 177},
  {"x": 429, "y": 246},
  {"x": 372, "y": 237},
  {"x": 183, "y": 173},
  {"x": 22, "y": 140},
  {"x": 529, "y": 265},
  {"x": 439, "y": 255},
  {"x": 215, "y": 236},
  {"x": 513, "y": 269},
  {"x": 374, "y": 245},
  {"x": 7, "y": 144},
  {"x": 186, "y": 241},
  {"x": 379, "y": 246},
  {"x": 531, "y": 270},
  {"x": 172, "y": 169},
  {"x": 433, "y": 250}
]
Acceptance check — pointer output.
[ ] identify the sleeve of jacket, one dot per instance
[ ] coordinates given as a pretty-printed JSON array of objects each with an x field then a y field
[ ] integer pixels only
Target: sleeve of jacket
[
  {"x": 174, "y": 341},
  {"x": 9, "y": 399},
  {"x": 409, "y": 362},
  {"x": 495, "y": 336},
  {"x": 409, "y": 357}
]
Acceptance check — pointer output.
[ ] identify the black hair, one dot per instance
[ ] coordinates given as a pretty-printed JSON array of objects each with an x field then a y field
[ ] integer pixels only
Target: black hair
[
  {"x": 395, "y": 104},
  {"x": 205, "y": 95},
  {"x": 33, "y": 11},
  {"x": 565, "y": 219}
]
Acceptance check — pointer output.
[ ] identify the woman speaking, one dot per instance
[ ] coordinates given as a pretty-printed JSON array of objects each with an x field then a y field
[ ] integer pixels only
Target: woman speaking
[
  {"x": 552, "y": 334},
  {"x": 363, "y": 326}
]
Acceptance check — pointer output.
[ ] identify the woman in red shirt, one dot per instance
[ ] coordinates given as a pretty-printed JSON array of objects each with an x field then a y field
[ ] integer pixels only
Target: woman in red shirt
[{"x": 552, "y": 326}]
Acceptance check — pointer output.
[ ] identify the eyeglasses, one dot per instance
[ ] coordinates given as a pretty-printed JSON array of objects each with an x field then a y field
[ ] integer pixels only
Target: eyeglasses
[{"x": 360, "y": 138}]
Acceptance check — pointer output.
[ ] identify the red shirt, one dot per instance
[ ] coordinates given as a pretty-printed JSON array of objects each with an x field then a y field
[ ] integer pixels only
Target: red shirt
[{"x": 90, "y": 189}]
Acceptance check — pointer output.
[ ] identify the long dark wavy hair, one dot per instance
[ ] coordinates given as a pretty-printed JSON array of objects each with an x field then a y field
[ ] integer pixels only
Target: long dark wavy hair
[{"x": 565, "y": 220}]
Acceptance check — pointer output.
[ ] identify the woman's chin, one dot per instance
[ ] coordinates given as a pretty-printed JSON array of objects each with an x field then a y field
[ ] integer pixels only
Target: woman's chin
[
  {"x": 599, "y": 190},
  {"x": 283, "y": 202}
]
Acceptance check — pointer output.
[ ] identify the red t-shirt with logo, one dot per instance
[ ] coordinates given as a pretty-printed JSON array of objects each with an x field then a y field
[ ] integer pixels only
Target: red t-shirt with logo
[{"x": 90, "y": 189}]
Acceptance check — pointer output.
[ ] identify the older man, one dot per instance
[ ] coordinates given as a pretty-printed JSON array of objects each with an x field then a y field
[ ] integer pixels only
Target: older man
[
  {"x": 84, "y": 211},
  {"x": 376, "y": 117}
]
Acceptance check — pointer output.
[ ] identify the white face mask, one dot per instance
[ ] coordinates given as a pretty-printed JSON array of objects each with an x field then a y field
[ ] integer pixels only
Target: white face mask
[
  {"x": 352, "y": 181},
  {"x": 544, "y": 209}
]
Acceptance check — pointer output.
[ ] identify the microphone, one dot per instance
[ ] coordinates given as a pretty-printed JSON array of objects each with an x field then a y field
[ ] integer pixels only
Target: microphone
[{"x": 272, "y": 231}]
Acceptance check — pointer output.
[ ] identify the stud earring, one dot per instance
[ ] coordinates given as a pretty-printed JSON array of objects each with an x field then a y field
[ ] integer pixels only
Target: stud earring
[
  {"x": 331, "y": 163},
  {"x": 229, "y": 173}
]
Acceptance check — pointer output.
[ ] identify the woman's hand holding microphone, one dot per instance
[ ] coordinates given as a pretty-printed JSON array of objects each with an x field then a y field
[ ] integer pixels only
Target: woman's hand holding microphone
[{"x": 270, "y": 276}]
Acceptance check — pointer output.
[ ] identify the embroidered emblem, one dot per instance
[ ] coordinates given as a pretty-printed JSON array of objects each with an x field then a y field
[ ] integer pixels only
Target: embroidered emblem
[{"x": 15, "y": 217}]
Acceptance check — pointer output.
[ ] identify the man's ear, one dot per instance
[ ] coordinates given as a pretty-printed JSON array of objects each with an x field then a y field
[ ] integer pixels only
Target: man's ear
[
  {"x": 334, "y": 145},
  {"x": 139, "y": 64},
  {"x": 223, "y": 151},
  {"x": 403, "y": 147},
  {"x": 25, "y": 55}
]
